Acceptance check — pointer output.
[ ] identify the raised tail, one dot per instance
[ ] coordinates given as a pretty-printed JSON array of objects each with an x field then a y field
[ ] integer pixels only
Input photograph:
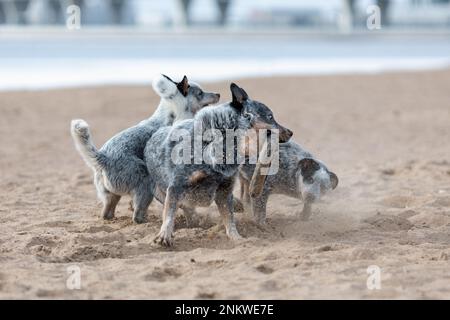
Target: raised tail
[{"x": 83, "y": 142}]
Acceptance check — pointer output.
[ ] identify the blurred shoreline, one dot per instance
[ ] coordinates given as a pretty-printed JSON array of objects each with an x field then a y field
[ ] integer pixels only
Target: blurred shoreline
[{"x": 55, "y": 57}]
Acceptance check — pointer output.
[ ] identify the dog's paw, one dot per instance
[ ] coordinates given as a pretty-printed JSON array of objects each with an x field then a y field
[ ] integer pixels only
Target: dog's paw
[
  {"x": 262, "y": 225},
  {"x": 304, "y": 215},
  {"x": 234, "y": 235},
  {"x": 140, "y": 219},
  {"x": 164, "y": 238},
  {"x": 259, "y": 218},
  {"x": 108, "y": 216}
]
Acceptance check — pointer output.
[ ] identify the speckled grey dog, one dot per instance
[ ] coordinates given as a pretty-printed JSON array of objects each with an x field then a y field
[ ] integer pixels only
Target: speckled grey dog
[
  {"x": 191, "y": 184},
  {"x": 300, "y": 175},
  {"x": 119, "y": 168}
]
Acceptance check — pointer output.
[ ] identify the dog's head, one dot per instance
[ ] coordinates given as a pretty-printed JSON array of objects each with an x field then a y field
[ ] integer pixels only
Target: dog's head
[
  {"x": 257, "y": 115},
  {"x": 315, "y": 179},
  {"x": 184, "y": 97}
]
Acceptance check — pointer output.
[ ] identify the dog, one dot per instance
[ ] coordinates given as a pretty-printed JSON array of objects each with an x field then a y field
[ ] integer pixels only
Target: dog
[
  {"x": 300, "y": 176},
  {"x": 119, "y": 168},
  {"x": 199, "y": 184}
]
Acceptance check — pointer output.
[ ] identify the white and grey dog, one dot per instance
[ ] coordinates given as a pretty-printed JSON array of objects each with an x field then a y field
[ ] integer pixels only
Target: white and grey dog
[
  {"x": 119, "y": 168},
  {"x": 300, "y": 176},
  {"x": 194, "y": 184}
]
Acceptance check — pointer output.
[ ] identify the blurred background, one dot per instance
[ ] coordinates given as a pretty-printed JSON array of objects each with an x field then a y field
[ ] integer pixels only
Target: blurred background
[
  {"x": 318, "y": 14},
  {"x": 48, "y": 43}
]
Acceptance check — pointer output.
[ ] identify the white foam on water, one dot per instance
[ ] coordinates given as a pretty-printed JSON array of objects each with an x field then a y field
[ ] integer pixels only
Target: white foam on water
[{"x": 33, "y": 74}]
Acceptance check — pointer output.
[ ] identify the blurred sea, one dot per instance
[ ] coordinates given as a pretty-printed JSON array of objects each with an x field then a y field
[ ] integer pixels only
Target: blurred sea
[{"x": 42, "y": 61}]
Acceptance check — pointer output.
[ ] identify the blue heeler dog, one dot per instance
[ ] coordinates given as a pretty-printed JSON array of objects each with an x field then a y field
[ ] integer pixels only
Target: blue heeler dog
[
  {"x": 119, "y": 168},
  {"x": 191, "y": 183},
  {"x": 299, "y": 175}
]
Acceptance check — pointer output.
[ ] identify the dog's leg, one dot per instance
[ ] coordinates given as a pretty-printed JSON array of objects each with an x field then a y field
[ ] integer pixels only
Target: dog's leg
[
  {"x": 130, "y": 205},
  {"x": 109, "y": 206},
  {"x": 237, "y": 205},
  {"x": 245, "y": 194},
  {"x": 244, "y": 188},
  {"x": 142, "y": 198},
  {"x": 259, "y": 205},
  {"x": 189, "y": 214},
  {"x": 109, "y": 200},
  {"x": 258, "y": 179},
  {"x": 257, "y": 183},
  {"x": 224, "y": 202},
  {"x": 165, "y": 235},
  {"x": 306, "y": 212}
]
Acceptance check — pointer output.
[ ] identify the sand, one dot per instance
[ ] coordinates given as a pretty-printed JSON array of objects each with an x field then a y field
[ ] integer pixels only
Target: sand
[{"x": 386, "y": 136}]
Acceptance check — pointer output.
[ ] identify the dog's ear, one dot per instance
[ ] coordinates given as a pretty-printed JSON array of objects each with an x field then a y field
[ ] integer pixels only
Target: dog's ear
[
  {"x": 168, "y": 78},
  {"x": 334, "y": 180},
  {"x": 239, "y": 96},
  {"x": 183, "y": 86},
  {"x": 164, "y": 86},
  {"x": 308, "y": 167}
]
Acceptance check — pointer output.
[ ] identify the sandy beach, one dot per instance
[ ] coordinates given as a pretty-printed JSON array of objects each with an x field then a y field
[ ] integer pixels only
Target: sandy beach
[{"x": 387, "y": 137}]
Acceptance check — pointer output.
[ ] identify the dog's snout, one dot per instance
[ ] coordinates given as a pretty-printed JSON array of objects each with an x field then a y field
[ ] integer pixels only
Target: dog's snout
[
  {"x": 285, "y": 135},
  {"x": 289, "y": 133},
  {"x": 216, "y": 97}
]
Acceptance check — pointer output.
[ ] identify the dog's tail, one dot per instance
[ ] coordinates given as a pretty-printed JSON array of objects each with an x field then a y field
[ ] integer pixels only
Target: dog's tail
[{"x": 83, "y": 142}]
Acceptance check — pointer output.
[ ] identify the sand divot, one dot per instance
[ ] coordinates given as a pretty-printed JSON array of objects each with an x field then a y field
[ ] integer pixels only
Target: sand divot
[
  {"x": 384, "y": 222},
  {"x": 265, "y": 269},
  {"x": 162, "y": 274}
]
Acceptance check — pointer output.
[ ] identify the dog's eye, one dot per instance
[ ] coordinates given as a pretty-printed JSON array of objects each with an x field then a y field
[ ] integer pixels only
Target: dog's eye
[
  {"x": 247, "y": 116},
  {"x": 270, "y": 117}
]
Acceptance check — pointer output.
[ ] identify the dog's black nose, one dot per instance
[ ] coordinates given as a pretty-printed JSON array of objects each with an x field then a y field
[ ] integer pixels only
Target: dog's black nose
[
  {"x": 218, "y": 95},
  {"x": 289, "y": 133},
  {"x": 285, "y": 135}
]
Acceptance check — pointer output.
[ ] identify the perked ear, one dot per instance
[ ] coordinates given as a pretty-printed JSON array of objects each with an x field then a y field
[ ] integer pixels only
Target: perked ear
[
  {"x": 167, "y": 78},
  {"x": 183, "y": 86},
  {"x": 239, "y": 96},
  {"x": 308, "y": 166},
  {"x": 164, "y": 86}
]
